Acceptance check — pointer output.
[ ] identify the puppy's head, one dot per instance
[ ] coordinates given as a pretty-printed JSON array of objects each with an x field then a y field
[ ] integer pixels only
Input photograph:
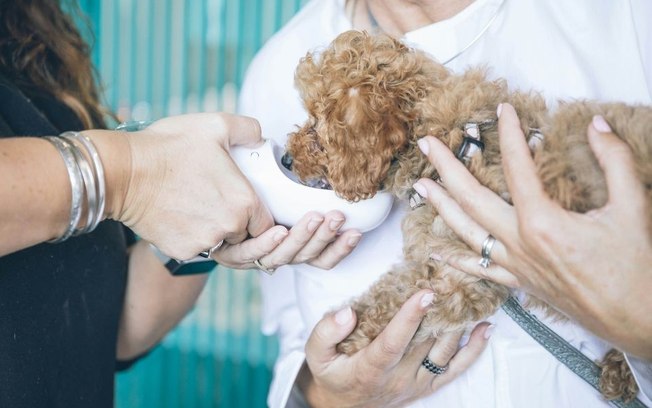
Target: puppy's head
[{"x": 360, "y": 94}]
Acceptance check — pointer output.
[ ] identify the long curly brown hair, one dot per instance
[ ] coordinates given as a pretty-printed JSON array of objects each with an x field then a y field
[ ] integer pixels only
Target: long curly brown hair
[{"x": 42, "y": 49}]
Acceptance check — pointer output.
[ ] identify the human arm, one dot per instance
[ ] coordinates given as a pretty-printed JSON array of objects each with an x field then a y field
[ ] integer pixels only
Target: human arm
[
  {"x": 155, "y": 301},
  {"x": 593, "y": 266},
  {"x": 382, "y": 374},
  {"x": 150, "y": 187},
  {"x": 34, "y": 193}
]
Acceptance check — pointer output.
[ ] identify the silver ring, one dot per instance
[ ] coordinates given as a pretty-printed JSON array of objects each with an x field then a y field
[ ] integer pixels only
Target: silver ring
[
  {"x": 487, "y": 246},
  {"x": 262, "y": 267},
  {"x": 209, "y": 253},
  {"x": 433, "y": 368}
]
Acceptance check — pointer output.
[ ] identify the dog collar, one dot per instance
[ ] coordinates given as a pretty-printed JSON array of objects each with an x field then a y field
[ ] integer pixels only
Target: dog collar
[{"x": 471, "y": 143}]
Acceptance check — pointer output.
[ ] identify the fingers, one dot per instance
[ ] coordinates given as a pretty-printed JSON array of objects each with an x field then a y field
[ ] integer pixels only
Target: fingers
[
  {"x": 440, "y": 354},
  {"x": 242, "y": 130},
  {"x": 314, "y": 240},
  {"x": 466, "y": 355},
  {"x": 242, "y": 255},
  {"x": 297, "y": 238},
  {"x": 520, "y": 171},
  {"x": 332, "y": 329},
  {"x": 390, "y": 345},
  {"x": 494, "y": 272},
  {"x": 480, "y": 203},
  {"x": 245, "y": 216},
  {"x": 261, "y": 219},
  {"x": 462, "y": 224},
  {"x": 445, "y": 348},
  {"x": 615, "y": 158},
  {"x": 322, "y": 237},
  {"x": 337, "y": 250}
]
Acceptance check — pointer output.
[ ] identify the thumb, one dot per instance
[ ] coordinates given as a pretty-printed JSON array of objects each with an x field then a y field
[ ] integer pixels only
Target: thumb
[
  {"x": 261, "y": 219},
  {"x": 243, "y": 131},
  {"x": 332, "y": 329}
]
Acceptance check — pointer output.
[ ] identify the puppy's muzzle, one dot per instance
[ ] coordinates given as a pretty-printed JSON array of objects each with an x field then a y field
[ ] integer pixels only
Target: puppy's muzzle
[{"x": 321, "y": 183}]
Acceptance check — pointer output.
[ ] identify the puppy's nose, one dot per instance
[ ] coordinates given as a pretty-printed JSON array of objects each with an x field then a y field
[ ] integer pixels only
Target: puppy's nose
[{"x": 286, "y": 161}]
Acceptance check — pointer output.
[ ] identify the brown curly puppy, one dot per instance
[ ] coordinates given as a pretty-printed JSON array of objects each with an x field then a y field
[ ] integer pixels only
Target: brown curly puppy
[{"x": 370, "y": 98}]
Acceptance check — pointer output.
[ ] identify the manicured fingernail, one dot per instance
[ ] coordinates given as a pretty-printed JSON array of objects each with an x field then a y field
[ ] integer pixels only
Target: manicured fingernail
[
  {"x": 354, "y": 239},
  {"x": 419, "y": 188},
  {"x": 436, "y": 257},
  {"x": 600, "y": 124},
  {"x": 280, "y": 236},
  {"x": 424, "y": 146},
  {"x": 334, "y": 224},
  {"x": 499, "y": 109},
  {"x": 464, "y": 340},
  {"x": 426, "y": 300},
  {"x": 314, "y": 223},
  {"x": 344, "y": 316},
  {"x": 489, "y": 331}
]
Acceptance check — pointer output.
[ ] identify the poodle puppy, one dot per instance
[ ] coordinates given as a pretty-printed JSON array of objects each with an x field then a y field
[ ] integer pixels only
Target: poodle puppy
[{"x": 370, "y": 98}]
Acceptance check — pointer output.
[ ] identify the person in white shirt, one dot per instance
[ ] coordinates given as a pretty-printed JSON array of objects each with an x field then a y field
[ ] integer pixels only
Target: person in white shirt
[{"x": 581, "y": 49}]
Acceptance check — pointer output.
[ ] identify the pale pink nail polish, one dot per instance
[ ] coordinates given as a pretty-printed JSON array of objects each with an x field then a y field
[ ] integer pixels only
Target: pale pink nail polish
[
  {"x": 354, "y": 239},
  {"x": 424, "y": 146},
  {"x": 499, "y": 110},
  {"x": 420, "y": 189},
  {"x": 489, "y": 331},
  {"x": 344, "y": 316},
  {"x": 426, "y": 300},
  {"x": 464, "y": 340},
  {"x": 600, "y": 124}
]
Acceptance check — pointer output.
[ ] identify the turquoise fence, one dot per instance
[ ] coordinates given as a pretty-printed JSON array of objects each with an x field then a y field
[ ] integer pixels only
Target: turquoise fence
[{"x": 164, "y": 57}]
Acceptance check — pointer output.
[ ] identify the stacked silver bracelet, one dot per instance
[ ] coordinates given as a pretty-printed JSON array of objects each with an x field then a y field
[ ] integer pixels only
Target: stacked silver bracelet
[{"x": 87, "y": 183}]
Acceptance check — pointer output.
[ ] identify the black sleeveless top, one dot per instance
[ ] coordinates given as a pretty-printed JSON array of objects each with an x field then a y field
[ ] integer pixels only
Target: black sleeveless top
[{"x": 60, "y": 304}]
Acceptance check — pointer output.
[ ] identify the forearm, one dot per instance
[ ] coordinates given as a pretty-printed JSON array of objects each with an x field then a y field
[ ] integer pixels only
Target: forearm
[
  {"x": 35, "y": 193},
  {"x": 155, "y": 301}
]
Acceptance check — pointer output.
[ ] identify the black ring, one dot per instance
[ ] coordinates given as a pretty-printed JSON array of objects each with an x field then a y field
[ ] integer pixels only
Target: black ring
[{"x": 433, "y": 368}]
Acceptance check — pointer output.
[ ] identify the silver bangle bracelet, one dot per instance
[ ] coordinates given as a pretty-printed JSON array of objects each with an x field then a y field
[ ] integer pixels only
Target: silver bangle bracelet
[
  {"x": 96, "y": 194},
  {"x": 76, "y": 184},
  {"x": 99, "y": 173},
  {"x": 89, "y": 187}
]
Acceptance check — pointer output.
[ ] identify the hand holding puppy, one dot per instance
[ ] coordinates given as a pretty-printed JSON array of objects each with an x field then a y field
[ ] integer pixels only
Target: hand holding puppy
[{"x": 594, "y": 266}]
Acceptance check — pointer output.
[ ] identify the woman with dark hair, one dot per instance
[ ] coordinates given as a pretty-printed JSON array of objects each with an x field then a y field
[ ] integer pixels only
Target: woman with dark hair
[{"x": 72, "y": 301}]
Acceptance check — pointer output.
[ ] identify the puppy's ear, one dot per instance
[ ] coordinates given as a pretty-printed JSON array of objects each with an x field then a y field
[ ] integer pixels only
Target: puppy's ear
[
  {"x": 363, "y": 145},
  {"x": 308, "y": 157},
  {"x": 309, "y": 81}
]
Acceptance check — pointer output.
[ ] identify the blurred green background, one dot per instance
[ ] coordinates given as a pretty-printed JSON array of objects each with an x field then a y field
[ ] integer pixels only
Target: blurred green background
[{"x": 165, "y": 57}]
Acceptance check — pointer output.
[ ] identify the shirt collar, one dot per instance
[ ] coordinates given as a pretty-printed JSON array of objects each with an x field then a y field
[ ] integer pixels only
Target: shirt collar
[{"x": 446, "y": 39}]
